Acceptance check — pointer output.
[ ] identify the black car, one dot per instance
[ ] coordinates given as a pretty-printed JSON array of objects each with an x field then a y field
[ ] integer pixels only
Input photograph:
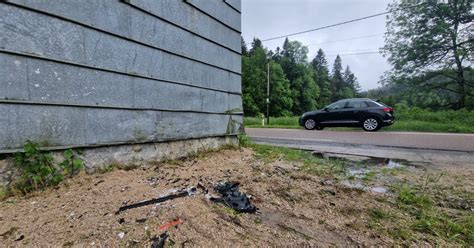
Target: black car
[{"x": 369, "y": 114}]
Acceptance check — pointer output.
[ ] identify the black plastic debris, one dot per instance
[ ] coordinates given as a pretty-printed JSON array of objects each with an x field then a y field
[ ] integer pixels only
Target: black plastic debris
[
  {"x": 189, "y": 192},
  {"x": 159, "y": 242},
  {"x": 233, "y": 198}
]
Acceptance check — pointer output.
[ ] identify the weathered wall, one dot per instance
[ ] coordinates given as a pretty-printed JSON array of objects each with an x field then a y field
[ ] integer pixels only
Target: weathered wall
[{"x": 82, "y": 73}]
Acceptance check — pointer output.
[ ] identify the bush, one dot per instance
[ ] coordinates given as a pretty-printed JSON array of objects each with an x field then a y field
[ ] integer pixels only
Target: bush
[{"x": 38, "y": 168}]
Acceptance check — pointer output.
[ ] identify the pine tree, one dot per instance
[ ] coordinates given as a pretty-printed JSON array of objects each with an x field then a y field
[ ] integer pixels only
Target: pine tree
[
  {"x": 350, "y": 80},
  {"x": 337, "y": 80},
  {"x": 245, "y": 51},
  {"x": 321, "y": 77}
]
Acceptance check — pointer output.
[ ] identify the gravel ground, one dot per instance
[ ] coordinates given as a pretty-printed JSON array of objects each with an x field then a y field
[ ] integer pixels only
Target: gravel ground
[{"x": 295, "y": 208}]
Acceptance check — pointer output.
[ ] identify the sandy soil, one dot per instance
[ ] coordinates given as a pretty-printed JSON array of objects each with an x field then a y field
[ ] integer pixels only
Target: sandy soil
[{"x": 295, "y": 208}]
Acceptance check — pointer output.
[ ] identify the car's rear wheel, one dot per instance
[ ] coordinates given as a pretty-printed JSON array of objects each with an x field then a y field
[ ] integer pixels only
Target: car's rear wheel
[
  {"x": 371, "y": 124},
  {"x": 310, "y": 124}
]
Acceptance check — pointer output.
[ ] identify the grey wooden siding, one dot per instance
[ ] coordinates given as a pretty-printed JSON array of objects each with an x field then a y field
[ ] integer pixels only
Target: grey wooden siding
[{"x": 78, "y": 73}]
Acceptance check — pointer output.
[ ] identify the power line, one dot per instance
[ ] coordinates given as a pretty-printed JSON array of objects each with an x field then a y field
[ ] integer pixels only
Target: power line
[
  {"x": 353, "y": 38},
  {"x": 350, "y": 50},
  {"x": 338, "y": 24},
  {"x": 349, "y": 54},
  {"x": 325, "y": 27}
]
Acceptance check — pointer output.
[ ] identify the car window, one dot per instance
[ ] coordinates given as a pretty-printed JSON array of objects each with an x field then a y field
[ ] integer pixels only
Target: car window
[
  {"x": 376, "y": 104},
  {"x": 336, "y": 105},
  {"x": 356, "y": 104}
]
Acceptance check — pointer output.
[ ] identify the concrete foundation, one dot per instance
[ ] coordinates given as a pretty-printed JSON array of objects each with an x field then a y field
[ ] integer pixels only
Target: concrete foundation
[{"x": 137, "y": 155}]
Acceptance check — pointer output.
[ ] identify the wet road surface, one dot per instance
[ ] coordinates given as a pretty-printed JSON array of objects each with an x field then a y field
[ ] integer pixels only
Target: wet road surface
[{"x": 413, "y": 146}]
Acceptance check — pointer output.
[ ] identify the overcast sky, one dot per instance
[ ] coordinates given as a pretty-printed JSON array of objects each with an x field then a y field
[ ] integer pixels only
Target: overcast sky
[{"x": 270, "y": 18}]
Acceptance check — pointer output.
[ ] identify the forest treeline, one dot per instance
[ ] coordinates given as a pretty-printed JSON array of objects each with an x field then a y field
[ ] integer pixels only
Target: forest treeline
[
  {"x": 429, "y": 45},
  {"x": 297, "y": 85}
]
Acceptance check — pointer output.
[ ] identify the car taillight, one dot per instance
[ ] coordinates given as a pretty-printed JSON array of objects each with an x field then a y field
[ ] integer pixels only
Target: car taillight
[{"x": 386, "y": 110}]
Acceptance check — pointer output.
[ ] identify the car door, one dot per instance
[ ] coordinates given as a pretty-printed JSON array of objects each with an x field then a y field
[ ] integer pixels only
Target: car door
[
  {"x": 333, "y": 113},
  {"x": 356, "y": 110}
]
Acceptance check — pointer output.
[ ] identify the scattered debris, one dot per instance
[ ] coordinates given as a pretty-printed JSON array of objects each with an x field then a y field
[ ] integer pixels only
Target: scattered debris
[
  {"x": 152, "y": 181},
  {"x": 159, "y": 242},
  {"x": 233, "y": 198},
  {"x": 99, "y": 182},
  {"x": 141, "y": 220},
  {"x": 172, "y": 223},
  {"x": 188, "y": 192},
  {"x": 121, "y": 235},
  {"x": 121, "y": 221},
  {"x": 19, "y": 237}
]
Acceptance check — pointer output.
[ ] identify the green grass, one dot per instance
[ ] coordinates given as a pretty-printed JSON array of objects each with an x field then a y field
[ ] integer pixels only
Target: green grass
[
  {"x": 427, "y": 218},
  {"x": 311, "y": 163},
  {"x": 414, "y": 119}
]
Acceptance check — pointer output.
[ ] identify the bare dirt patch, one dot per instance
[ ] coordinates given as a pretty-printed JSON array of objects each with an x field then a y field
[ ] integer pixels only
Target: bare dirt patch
[{"x": 296, "y": 207}]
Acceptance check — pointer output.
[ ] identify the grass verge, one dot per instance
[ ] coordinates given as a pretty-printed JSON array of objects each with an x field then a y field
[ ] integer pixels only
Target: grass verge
[
  {"x": 416, "y": 120},
  {"x": 310, "y": 163}
]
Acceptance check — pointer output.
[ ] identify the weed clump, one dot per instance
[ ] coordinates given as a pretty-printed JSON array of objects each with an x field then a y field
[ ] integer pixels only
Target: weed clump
[{"x": 39, "y": 171}]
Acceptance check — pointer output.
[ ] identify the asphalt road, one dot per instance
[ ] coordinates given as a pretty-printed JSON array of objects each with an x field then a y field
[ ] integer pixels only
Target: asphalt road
[
  {"x": 414, "y": 146},
  {"x": 435, "y": 141}
]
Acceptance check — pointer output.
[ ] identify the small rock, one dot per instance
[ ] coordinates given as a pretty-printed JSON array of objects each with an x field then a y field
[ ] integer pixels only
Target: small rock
[
  {"x": 19, "y": 237},
  {"x": 327, "y": 182},
  {"x": 121, "y": 235}
]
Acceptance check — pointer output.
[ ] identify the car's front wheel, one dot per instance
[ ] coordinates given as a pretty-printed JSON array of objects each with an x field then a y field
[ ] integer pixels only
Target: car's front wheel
[
  {"x": 371, "y": 124},
  {"x": 309, "y": 124}
]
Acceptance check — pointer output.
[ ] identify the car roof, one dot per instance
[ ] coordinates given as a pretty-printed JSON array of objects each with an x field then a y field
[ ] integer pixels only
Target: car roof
[{"x": 356, "y": 99}]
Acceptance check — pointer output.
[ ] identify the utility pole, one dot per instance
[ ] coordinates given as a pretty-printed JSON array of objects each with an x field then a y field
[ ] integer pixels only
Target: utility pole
[{"x": 268, "y": 93}]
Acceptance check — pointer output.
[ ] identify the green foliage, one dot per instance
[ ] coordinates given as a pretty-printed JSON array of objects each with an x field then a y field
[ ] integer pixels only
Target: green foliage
[
  {"x": 38, "y": 168},
  {"x": 429, "y": 219},
  {"x": 254, "y": 80},
  {"x": 378, "y": 214},
  {"x": 428, "y": 40},
  {"x": 71, "y": 164},
  {"x": 321, "y": 77},
  {"x": 408, "y": 196},
  {"x": 296, "y": 86}
]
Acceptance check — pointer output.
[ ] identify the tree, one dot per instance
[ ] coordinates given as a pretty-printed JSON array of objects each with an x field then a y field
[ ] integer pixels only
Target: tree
[
  {"x": 256, "y": 44},
  {"x": 321, "y": 77},
  {"x": 293, "y": 59},
  {"x": 432, "y": 39},
  {"x": 281, "y": 100},
  {"x": 295, "y": 51},
  {"x": 351, "y": 81},
  {"x": 254, "y": 80},
  {"x": 254, "y": 84},
  {"x": 337, "y": 81},
  {"x": 245, "y": 51}
]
